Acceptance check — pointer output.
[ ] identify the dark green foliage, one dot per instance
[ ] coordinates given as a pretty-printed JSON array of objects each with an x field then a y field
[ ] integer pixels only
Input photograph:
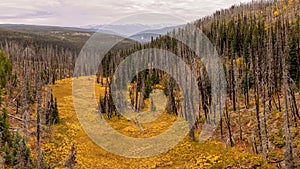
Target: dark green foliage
[
  {"x": 6, "y": 139},
  {"x": 29, "y": 94},
  {"x": 15, "y": 142},
  {"x": 147, "y": 91},
  {"x": 55, "y": 116},
  {"x": 9, "y": 158},
  {"x": 22, "y": 157},
  {"x": 154, "y": 79},
  {"x": 294, "y": 60},
  {"x": 0, "y": 96},
  {"x": 5, "y": 69},
  {"x": 18, "y": 154},
  {"x": 248, "y": 80},
  {"x": 52, "y": 117},
  {"x": 148, "y": 88},
  {"x": 4, "y": 127}
]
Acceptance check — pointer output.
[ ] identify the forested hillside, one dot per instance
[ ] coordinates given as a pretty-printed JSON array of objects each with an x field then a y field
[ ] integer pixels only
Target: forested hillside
[{"x": 258, "y": 44}]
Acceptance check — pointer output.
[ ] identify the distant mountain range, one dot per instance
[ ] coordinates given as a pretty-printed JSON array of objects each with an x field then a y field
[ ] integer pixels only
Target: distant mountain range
[
  {"x": 138, "y": 32},
  {"x": 66, "y": 37},
  {"x": 145, "y": 36}
]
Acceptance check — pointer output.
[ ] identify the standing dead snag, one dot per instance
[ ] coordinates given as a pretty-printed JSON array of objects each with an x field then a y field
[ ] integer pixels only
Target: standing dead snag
[
  {"x": 38, "y": 122},
  {"x": 288, "y": 155},
  {"x": 25, "y": 104},
  {"x": 153, "y": 108}
]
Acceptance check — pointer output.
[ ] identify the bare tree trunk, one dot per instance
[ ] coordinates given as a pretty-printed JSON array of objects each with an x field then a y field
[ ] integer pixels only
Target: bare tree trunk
[
  {"x": 294, "y": 102},
  {"x": 40, "y": 160},
  {"x": 288, "y": 155},
  {"x": 228, "y": 124}
]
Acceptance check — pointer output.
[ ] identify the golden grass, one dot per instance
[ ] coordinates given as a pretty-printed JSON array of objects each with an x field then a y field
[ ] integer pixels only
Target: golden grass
[{"x": 186, "y": 154}]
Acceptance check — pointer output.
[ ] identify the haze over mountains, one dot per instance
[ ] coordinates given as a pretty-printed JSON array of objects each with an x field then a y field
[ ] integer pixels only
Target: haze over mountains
[{"x": 138, "y": 32}]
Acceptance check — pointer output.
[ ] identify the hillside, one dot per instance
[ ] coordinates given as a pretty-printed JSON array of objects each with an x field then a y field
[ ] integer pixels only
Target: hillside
[
  {"x": 63, "y": 37},
  {"x": 257, "y": 126}
]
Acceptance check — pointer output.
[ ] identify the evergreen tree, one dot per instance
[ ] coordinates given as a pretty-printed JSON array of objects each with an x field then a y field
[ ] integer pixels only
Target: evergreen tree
[
  {"x": 22, "y": 158},
  {"x": 4, "y": 127},
  {"x": 1, "y": 97},
  {"x": 55, "y": 115},
  {"x": 294, "y": 69},
  {"x": 9, "y": 158},
  {"x": 148, "y": 89},
  {"x": 52, "y": 117},
  {"x": 5, "y": 69},
  {"x": 15, "y": 142}
]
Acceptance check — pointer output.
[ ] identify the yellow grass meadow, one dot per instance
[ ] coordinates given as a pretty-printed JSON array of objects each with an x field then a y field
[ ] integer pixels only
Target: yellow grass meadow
[{"x": 186, "y": 154}]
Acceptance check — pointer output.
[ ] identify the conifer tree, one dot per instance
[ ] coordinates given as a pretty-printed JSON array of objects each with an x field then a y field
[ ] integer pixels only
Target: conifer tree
[{"x": 4, "y": 127}]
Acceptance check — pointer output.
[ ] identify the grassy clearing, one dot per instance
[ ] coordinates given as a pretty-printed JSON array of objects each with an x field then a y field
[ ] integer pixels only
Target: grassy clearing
[{"x": 186, "y": 154}]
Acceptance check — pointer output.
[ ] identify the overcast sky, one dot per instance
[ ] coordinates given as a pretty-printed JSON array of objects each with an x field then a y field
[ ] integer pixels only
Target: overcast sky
[{"x": 95, "y": 12}]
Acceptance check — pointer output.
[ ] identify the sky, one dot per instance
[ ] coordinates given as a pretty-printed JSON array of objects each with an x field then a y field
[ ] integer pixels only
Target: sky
[{"x": 76, "y": 13}]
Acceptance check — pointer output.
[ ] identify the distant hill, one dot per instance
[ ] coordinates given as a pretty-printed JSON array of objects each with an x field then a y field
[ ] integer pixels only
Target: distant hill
[
  {"x": 145, "y": 36},
  {"x": 62, "y": 36},
  {"x": 78, "y": 36},
  {"x": 138, "y": 32}
]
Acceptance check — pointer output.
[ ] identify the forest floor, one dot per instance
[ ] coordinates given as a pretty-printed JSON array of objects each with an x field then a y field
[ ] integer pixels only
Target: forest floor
[
  {"x": 275, "y": 128},
  {"x": 187, "y": 154}
]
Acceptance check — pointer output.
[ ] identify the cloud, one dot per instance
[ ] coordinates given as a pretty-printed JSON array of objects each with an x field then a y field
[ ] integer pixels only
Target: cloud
[
  {"x": 85, "y": 12},
  {"x": 30, "y": 14}
]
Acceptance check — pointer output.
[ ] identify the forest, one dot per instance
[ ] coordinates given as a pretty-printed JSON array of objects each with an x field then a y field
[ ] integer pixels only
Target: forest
[{"x": 258, "y": 44}]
